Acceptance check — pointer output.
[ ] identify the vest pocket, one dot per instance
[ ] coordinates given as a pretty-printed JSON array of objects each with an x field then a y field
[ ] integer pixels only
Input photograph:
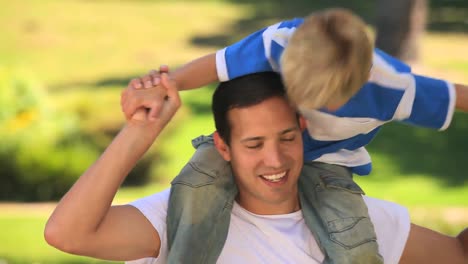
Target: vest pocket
[
  {"x": 351, "y": 232},
  {"x": 203, "y": 168},
  {"x": 193, "y": 176}
]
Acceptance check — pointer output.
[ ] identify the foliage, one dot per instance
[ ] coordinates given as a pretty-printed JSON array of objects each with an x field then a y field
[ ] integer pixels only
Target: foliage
[{"x": 41, "y": 151}]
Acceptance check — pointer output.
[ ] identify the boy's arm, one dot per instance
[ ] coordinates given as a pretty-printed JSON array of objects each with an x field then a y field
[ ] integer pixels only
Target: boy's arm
[
  {"x": 197, "y": 73},
  {"x": 436, "y": 101},
  {"x": 85, "y": 223},
  {"x": 258, "y": 52},
  {"x": 462, "y": 97},
  {"x": 430, "y": 102},
  {"x": 250, "y": 55},
  {"x": 254, "y": 53},
  {"x": 427, "y": 246},
  {"x": 426, "y": 101}
]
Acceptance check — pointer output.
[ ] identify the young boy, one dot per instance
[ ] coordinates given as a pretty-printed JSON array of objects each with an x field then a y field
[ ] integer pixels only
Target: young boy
[{"x": 345, "y": 89}]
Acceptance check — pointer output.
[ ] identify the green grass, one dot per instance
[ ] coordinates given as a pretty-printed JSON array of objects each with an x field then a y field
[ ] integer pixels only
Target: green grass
[
  {"x": 415, "y": 190},
  {"x": 21, "y": 235},
  {"x": 22, "y": 232},
  {"x": 22, "y": 242},
  {"x": 66, "y": 42},
  {"x": 128, "y": 194}
]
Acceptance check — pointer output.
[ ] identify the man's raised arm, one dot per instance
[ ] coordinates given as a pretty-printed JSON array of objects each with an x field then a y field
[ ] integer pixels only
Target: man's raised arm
[{"x": 85, "y": 223}]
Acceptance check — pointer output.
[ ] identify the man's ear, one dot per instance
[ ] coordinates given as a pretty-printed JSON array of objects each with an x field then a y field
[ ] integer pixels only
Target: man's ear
[
  {"x": 302, "y": 123},
  {"x": 222, "y": 147}
]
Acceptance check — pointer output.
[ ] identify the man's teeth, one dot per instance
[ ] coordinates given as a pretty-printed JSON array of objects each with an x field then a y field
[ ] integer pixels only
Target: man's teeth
[{"x": 274, "y": 177}]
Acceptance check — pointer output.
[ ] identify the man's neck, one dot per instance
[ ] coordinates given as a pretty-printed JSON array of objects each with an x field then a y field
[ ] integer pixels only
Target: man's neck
[{"x": 269, "y": 208}]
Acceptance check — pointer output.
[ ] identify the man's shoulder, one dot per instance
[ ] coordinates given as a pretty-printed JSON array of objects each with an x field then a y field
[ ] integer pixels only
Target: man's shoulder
[
  {"x": 154, "y": 199},
  {"x": 392, "y": 225},
  {"x": 386, "y": 215},
  {"x": 154, "y": 208},
  {"x": 380, "y": 207}
]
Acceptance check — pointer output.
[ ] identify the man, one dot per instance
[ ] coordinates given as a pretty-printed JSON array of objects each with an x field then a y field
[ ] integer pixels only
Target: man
[{"x": 261, "y": 138}]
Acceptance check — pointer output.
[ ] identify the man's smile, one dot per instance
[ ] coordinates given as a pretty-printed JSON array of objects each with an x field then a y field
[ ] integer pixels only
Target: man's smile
[{"x": 279, "y": 177}]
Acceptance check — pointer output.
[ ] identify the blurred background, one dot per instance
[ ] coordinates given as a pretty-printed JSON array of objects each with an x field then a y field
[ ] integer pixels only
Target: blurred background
[{"x": 64, "y": 63}]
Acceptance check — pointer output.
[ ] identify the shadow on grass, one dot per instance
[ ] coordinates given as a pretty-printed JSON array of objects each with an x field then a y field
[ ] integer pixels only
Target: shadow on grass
[
  {"x": 267, "y": 12},
  {"x": 442, "y": 155},
  {"x": 449, "y": 16},
  {"x": 198, "y": 101},
  {"x": 109, "y": 82},
  {"x": 445, "y": 16}
]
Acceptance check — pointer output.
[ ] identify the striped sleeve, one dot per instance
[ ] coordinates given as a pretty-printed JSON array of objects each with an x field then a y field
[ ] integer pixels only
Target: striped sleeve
[
  {"x": 434, "y": 103},
  {"x": 244, "y": 57},
  {"x": 413, "y": 99},
  {"x": 259, "y": 52}
]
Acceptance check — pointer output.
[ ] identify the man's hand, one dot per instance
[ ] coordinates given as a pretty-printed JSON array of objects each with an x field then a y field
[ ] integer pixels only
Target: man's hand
[
  {"x": 166, "y": 106},
  {"x": 144, "y": 97}
]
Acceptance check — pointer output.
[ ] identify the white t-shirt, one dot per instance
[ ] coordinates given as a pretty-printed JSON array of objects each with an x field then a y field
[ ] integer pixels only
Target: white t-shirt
[{"x": 281, "y": 239}]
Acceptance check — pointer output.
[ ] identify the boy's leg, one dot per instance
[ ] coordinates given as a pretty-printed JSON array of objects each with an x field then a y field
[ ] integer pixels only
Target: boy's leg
[
  {"x": 337, "y": 215},
  {"x": 200, "y": 205}
]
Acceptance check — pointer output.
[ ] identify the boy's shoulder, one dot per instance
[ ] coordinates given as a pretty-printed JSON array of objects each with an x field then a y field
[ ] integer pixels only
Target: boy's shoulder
[
  {"x": 281, "y": 32},
  {"x": 294, "y": 22},
  {"x": 383, "y": 60}
]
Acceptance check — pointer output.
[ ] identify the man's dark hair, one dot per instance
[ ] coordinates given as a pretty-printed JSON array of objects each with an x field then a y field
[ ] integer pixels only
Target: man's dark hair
[{"x": 242, "y": 92}]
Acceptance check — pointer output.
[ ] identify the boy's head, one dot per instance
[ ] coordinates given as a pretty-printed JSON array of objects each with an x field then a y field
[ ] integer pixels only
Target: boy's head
[{"x": 327, "y": 60}]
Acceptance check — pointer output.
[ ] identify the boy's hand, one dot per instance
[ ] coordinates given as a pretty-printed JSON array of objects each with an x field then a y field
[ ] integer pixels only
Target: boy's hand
[
  {"x": 167, "y": 108},
  {"x": 144, "y": 97}
]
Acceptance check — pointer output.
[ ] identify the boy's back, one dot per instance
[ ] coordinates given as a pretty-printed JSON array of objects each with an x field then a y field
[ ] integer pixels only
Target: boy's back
[{"x": 354, "y": 98}]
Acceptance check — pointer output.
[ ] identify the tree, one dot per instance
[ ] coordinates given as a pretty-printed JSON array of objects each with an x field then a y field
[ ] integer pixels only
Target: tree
[{"x": 400, "y": 24}]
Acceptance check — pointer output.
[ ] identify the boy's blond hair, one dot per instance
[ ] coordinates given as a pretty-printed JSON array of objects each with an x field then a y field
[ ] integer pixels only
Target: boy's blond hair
[{"x": 327, "y": 60}]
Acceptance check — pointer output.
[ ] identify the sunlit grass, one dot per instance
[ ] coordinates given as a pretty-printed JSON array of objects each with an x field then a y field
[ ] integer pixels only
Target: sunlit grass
[
  {"x": 22, "y": 232},
  {"x": 22, "y": 242},
  {"x": 65, "y": 41},
  {"x": 415, "y": 190},
  {"x": 445, "y": 56}
]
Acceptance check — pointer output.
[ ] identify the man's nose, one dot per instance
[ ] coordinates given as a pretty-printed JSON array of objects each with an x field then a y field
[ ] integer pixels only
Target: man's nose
[{"x": 274, "y": 157}]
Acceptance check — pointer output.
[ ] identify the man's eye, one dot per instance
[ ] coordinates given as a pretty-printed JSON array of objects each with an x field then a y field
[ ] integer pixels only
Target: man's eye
[
  {"x": 256, "y": 146},
  {"x": 288, "y": 138}
]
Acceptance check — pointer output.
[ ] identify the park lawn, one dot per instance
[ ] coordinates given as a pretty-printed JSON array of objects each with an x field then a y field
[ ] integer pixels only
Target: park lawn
[
  {"x": 22, "y": 228},
  {"x": 105, "y": 40},
  {"x": 22, "y": 242}
]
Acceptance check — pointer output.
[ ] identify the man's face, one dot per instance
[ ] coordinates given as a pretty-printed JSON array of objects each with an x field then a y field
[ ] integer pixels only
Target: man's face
[{"x": 266, "y": 155}]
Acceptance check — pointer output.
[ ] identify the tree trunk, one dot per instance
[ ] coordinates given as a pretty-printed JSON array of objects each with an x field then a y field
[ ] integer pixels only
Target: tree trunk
[{"x": 400, "y": 25}]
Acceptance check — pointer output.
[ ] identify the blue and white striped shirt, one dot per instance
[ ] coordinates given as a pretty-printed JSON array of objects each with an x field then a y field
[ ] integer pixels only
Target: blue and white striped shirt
[{"x": 339, "y": 137}]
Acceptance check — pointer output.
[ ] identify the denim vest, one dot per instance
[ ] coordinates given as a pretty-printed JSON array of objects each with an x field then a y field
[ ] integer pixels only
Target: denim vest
[
  {"x": 337, "y": 215},
  {"x": 202, "y": 196}
]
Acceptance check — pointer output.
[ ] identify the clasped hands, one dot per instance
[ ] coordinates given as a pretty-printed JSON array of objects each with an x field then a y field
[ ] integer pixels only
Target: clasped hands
[{"x": 151, "y": 99}]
